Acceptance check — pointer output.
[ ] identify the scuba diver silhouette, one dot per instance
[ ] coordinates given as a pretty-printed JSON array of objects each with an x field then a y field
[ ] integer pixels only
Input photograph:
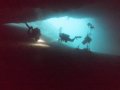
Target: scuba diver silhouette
[
  {"x": 87, "y": 40},
  {"x": 34, "y": 33},
  {"x": 65, "y": 37}
]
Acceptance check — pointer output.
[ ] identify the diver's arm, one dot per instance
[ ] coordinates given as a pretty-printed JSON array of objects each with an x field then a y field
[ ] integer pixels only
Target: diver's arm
[{"x": 27, "y": 25}]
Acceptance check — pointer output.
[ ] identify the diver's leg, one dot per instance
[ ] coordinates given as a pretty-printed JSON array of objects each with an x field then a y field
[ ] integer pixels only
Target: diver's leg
[{"x": 71, "y": 40}]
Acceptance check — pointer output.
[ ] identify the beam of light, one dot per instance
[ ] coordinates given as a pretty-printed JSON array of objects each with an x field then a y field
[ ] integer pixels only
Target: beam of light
[
  {"x": 41, "y": 45},
  {"x": 36, "y": 44},
  {"x": 18, "y": 25}
]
